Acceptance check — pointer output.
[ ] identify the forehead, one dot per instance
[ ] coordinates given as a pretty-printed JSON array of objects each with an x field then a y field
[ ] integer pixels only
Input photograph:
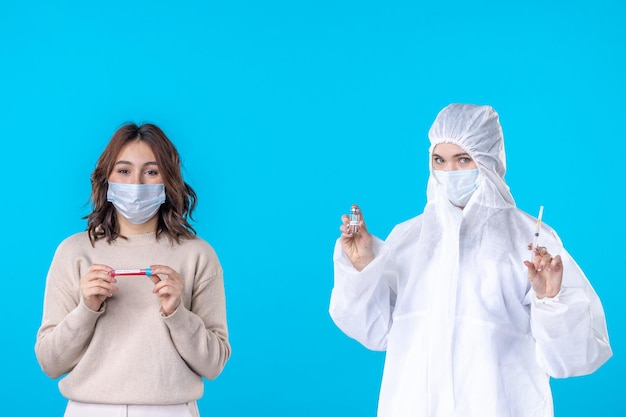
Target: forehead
[
  {"x": 448, "y": 149},
  {"x": 136, "y": 151}
]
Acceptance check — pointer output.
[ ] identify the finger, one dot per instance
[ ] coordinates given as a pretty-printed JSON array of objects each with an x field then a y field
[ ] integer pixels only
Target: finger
[
  {"x": 162, "y": 269},
  {"x": 531, "y": 267},
  {"x": 99, "y": 275},
  {"x": 95, "y": 276},
  {"x": 101, "y": 283},
  {"x": 363, "y": 226},
  {"x": 556, "y": 264},
  {"x": 167, "y": 288},
  {"x": 345, "y": 227},
  {"x": 346, "y": 231},
  {"x": 545, "y": 262},
  {"x": 99, "y": 267},
  {"x": 99, "y": 291},
  {"x": 161, "y": 289},
  {"x": 105, "y": 276},
  {"x": 154, "y": 278},
  {"x": 172, "y": 277}
]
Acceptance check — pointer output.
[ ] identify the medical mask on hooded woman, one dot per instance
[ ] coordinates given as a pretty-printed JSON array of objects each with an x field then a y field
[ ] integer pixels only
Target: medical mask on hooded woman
[
  {"x": 458, "y": 185},
  {"x": 476, "y": 130},
  {"x": 136, "y": 202}
]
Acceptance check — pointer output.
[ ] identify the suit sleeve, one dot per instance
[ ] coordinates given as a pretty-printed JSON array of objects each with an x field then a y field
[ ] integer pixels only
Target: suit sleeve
[
  {"x": 361, "y": 303},
  {"x": 570, "y": 329}
]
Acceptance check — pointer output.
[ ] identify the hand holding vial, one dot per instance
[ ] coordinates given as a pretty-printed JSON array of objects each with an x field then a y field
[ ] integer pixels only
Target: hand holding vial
[{"x": 355, "y": 239}]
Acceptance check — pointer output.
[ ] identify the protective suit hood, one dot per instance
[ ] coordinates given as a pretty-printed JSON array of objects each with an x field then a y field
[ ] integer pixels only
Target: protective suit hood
[{"x": 475, "y": 129}]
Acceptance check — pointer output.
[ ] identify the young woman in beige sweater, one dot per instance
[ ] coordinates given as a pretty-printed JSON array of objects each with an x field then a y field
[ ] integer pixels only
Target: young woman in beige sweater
[{"x": 134, "y": 308}]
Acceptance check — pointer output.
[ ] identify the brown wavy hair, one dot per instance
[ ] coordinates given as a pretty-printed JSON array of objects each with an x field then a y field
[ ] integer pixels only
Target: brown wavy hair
[{"x": 180, "y": 198}]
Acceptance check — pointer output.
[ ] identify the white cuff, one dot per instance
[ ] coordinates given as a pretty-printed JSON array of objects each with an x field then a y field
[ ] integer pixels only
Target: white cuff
[{"x": 549, "y": 300}]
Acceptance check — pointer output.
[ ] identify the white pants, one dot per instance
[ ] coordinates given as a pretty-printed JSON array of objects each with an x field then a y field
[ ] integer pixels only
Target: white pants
[{"x": 77, "y": 409}]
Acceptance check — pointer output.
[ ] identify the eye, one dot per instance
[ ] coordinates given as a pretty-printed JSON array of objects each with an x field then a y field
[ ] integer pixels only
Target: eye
[
  {"x": 438, "y": 160},
  {"x": 465, "y": 159},
  {"x": 152, "y": 172},
  {"x": 123, "y": 171}
]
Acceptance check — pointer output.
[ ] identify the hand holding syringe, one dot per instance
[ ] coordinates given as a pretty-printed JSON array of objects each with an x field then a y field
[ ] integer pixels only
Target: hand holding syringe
[{"x": 545, "y": 273}]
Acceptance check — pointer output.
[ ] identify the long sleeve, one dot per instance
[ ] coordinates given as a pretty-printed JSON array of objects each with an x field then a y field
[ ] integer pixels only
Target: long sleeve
[
  {"x": 361, "y": 303},
  {"x": 570, "y": 330},
  {"x": 200, "y": 333},
  {"x": 67, "y": 325}
]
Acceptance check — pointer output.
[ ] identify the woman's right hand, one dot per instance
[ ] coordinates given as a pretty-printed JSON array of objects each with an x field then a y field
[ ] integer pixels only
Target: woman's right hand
[
  {"x": 97, "y": 285},
  {"x": 358, "y": 246}
]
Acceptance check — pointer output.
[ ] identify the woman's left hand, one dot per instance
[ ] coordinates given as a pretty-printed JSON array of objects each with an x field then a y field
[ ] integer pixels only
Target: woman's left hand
[
  {"x": 545, "y": 273},
  {"x": 168, "y": 290}
]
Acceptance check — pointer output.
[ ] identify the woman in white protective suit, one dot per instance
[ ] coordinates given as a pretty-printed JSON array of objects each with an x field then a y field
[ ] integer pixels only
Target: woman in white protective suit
[{"x": 469, "y": 326}]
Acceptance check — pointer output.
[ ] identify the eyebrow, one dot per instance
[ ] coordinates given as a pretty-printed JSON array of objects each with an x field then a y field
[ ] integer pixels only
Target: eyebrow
[
  {"x": 130, "y": 163},
  {"x": 458, "y": 155}
]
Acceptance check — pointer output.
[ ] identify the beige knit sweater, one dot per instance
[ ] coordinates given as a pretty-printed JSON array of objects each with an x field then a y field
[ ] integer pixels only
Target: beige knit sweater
[{"x": 127, "y": 353}]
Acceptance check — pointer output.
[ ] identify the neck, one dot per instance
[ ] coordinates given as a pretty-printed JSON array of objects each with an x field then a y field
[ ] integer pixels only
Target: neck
[{"x": 128, "y": 229}]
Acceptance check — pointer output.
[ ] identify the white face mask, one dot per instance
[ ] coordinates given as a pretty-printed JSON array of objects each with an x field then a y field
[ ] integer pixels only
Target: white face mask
[
  {"x": 136, "y": 202},
  {"x": 458, "y": 185}
]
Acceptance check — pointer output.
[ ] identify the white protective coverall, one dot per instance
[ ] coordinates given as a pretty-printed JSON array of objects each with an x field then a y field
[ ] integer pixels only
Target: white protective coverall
[{"x": 447, "y": 297}]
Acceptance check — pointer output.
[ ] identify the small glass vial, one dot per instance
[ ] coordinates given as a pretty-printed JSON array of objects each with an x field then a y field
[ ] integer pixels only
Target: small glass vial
[{"x": 355, "y": 219}]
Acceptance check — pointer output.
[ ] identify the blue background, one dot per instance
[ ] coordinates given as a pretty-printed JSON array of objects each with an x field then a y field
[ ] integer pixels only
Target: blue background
[{"x": 285, "y": 113}]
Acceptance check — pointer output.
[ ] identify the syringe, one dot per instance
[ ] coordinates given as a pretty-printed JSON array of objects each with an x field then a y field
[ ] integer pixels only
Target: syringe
[{"x": 534, "y": 246}]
